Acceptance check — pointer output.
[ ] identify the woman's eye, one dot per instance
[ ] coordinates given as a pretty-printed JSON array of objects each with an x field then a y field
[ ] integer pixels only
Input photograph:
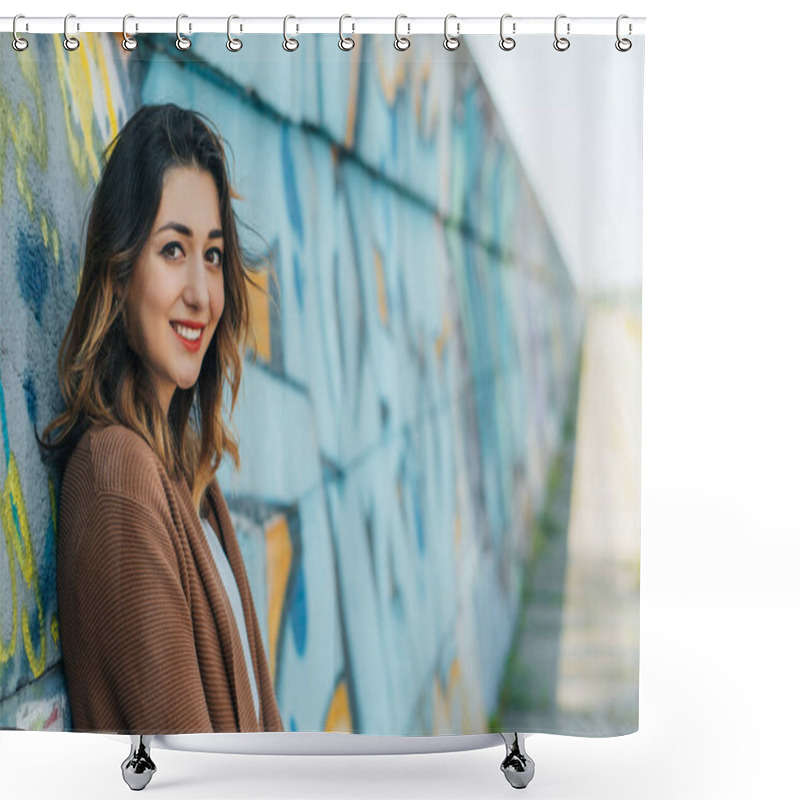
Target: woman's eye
[
  {"x": 215, "y": 255},
  {"x": 169, "y": 247}
]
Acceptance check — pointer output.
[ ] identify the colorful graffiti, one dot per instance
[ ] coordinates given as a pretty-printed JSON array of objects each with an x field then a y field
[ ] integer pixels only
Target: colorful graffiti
[{"x": 403, "y": 391}]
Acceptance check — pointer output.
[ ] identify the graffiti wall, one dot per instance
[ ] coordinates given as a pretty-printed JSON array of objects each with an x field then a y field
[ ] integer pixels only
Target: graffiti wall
[{"x": 403, "y": 391}]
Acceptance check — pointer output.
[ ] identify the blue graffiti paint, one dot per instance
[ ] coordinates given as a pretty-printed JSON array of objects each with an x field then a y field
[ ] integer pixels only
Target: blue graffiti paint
[
  {"x": 33, "y": 625},
  {"x": 298, "y": 610},
  {"x": 4, "y": 420},
  {"x": 290, "y": 183},
  {"x": 385, "y": 413},
  {"x": 299, "y": 280},
  {"x": 29, "y": 387},
  {"x": 394, "y": 124},
  {"x": 369, "y": 527},
  {"x": 409, "y": 478},
  {"x": 292, "y": 723},
  {"x": 34, "y": 264},
  {"x": 15, "y": 514},
  {"x": 47, "y": 568},
  {"x": 419, "y": 527}
]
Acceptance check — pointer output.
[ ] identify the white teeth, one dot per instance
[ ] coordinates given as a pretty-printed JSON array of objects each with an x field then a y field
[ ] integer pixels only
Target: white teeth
[{"x": 192, "y": 334}]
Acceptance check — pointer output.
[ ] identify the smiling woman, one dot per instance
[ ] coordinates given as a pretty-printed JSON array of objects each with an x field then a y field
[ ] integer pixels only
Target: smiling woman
[
  {"x": 178, "y": 283},
  {"x": 157, "y": 622}
]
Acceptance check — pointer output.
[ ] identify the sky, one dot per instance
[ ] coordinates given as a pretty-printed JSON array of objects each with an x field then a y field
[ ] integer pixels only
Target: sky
[{"x": 575, "y": 119}]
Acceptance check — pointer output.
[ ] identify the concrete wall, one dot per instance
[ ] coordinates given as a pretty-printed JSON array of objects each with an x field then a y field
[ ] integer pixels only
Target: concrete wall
[{"x": 403, "y": 395}]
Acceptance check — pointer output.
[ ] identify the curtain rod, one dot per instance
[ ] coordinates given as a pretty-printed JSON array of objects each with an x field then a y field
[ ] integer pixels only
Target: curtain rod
[{"x": 513, "y": 26}]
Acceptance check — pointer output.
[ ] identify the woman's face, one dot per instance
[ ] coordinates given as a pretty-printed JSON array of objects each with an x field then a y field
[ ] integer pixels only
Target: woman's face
[{"x": 177, "y": 288}]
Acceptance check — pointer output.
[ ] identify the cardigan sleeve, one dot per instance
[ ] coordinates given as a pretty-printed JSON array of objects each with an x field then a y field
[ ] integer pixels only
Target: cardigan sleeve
[{"x": 129, "y": 651}]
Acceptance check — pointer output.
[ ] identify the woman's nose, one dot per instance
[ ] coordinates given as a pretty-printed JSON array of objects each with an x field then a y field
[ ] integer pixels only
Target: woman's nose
[{"x": 196, "y": 290}]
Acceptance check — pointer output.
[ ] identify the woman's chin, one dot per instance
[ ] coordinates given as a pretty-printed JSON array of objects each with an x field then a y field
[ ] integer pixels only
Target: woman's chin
[{"x": 188, "y": 382}]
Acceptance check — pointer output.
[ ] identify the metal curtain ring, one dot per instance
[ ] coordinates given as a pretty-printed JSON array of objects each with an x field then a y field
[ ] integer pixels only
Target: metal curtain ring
[
  {"x": 289, "y": 44},
  {"x": 18, "y": 43},
  {"x": 181, "y": 42},
  {"x": 401, "y": 42},
  {"x": 623, "y": 45},
  {"x": 506, "y": 42},
  {"x": 128, "y": 42},
  {"x": 70, "y": 42},
  {"x": 233, "y": 44},
  {"x": 561, "y": 43},
  {"x": 451, "y": 42},
  {"x": 346, "y": 42}
]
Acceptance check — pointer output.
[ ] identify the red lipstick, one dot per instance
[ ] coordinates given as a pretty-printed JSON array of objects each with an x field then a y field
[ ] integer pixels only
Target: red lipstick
[{"x": 193, "y": 346}]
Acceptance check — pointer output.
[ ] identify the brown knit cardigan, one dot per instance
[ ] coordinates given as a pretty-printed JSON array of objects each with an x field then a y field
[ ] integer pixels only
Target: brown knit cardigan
[{"x": 149, "y": 640}]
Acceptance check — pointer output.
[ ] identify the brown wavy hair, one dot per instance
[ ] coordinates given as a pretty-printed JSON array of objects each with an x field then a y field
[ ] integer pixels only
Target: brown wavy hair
[{"x": 102, "y": 379}]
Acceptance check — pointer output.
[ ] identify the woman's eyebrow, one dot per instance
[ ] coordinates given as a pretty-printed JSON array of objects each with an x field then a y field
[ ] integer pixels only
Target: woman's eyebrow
[{"x": 216, "y": 233}]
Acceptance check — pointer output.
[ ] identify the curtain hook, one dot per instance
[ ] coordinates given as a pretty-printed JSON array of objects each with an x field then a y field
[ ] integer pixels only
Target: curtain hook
[
  {"x": 128, "y": 42},
  {"x": 18, "y": 43},
  {"x": 507, "y": 42},
  {"x": 233, "y": 44},
  {"x": 70, "y": 42},
  {"x": 561, "y": 43},
  {"x": 346, "y": 42},
  {"x": 289, "y": 44},
  {"x": 181, "y": 42},
  {"x": 401, "y": 42},
  {"x": 623, "y": 45},
  {"x": 451, "y": 42}
]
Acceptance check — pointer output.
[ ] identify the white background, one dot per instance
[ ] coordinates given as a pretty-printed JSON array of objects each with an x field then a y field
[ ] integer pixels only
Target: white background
[{"x": 720, "y": 607}]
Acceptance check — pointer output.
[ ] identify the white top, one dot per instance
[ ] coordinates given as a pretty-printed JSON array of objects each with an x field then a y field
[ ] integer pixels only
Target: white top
[{"x": 229, "y": 582}]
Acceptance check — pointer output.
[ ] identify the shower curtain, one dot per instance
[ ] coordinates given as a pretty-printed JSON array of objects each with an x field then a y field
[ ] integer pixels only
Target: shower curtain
[{"x": 439, "y": 415}]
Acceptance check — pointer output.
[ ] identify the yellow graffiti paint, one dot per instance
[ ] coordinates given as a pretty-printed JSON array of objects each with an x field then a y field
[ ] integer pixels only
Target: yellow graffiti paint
[
  {"x": 17, "y": 529},
  {"x": 30, "y": 141},
  {"x": 108, "y": 92},
  {"x": 441, "y": 339},
  {"x": 18, "y": 540},
  {"x": 279, "y": 563},
  {"x": 258, "y": 300},
  {"x": 25, "y": 193},
  {"x": 7, "y": 649},
  {"x": 54, "y": 632},
  {"x": 441, "y": 717},
  {"x": 380, "y": 283},
  {"x": 444, "y": 699},
  {"x": 390, "y": 76},
  {"x": 30, "y": 144},
  {"x": 339, "y": 717},
  {"x": 75, "y": 80}
]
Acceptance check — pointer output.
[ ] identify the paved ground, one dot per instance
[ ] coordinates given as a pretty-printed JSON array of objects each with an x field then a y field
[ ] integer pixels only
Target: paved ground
[{"x": 574, "y": 667}]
